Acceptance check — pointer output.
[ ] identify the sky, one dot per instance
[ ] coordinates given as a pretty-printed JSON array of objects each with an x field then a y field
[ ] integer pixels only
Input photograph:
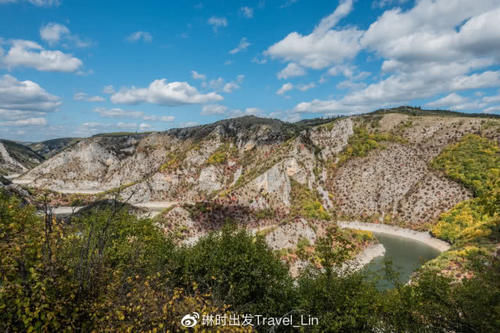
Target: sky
[{"x": 73, "y": 68}]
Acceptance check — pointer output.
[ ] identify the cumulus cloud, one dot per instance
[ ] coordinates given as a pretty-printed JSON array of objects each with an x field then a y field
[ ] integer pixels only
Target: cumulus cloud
[
  {"x": 220, "y": 84},
  {"x": 90, "y": 128},
  {"x": 324, "y": 46},
  {"x": 435, "y": 31},
  {"x": 213, "y": 109},
  {"x": 435, "y": 48},
  {"x": 217, "y": 22},
  {"x": 198, "y": 76},
  {"x": 217, "y": 109},
  {"x": 25, "y": 53},
  {"x": 305, "y": 87},
  {"x": 163, "y": 93},
  {"x": 246, "y": 11},
  {"x": 140, "y": 36},
  {"x": 108, "y": 90},
  {"x": 447, "y": 101},
  {"x": 252, "y": 111},
  {"x": 404, "y": 87},
  {"x": 81, "y": 96},
  {"x": 284, "y": 88},
  {"x": 291, "y": 70},
  {"x": 25, "y": 122},
  {"x": 39, "y": 3},
  {"x": 491, "y": 99},
  {"x": 118, "y": 113},
  {"x": 54, "y": 33},
  {"x": 243, "y": 45},
  {"x": 25, "y": 96},
  {"x": 387, "y": 3},
  {"x": 288, "y": 3},
  {"x": 24, "y": 103}
]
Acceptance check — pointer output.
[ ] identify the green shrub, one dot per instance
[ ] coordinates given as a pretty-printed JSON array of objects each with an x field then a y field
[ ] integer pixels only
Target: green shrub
[
  {"x": 474, "y": 161},
  {"x": 363, "y": 141},
  {"x": 307, "y": 203},
  {"x": 240, "y": 270}
]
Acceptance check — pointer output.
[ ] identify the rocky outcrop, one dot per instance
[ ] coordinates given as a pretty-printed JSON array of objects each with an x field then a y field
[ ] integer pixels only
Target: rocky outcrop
[
  {"x": 16, "y": 159},
  {"x": 253, "y": 161}
]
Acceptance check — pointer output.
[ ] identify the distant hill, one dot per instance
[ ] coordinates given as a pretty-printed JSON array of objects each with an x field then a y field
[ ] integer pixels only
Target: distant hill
[
  {"x": 16, "y": 158},
  {"x": 52, "y": 147},
  {"x": 376, "y": 164},
  {"x": 417, "y": 111}
]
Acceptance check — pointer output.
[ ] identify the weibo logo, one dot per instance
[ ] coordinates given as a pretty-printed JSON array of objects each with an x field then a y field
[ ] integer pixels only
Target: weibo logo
[{"x": 190, "y": 320}]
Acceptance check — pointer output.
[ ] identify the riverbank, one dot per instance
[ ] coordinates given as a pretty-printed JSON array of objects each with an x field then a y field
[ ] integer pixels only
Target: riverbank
[
  {"x": 367, "y": 255},
  {"x": 418, "y": 236}
]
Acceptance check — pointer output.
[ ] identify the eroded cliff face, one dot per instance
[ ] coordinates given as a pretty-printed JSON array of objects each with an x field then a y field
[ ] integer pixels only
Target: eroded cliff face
[{"x": 374, "y": 166}]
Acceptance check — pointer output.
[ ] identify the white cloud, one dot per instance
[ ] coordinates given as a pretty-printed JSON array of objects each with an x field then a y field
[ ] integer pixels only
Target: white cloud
[
  {"x": 25, "y": 96},
  {"x": 435, "y": 48},
  {"x": 491, "y": 99},
  {"x": 220, "y": 84},
  {"x": 53, "y": 33},
  {"x": 386, "y": 3},
  {"x": 291, "y": 70},
  {"x": 90, "y": 128},
  {"x": 118, "y": 113},
  {"x": 437, "y": 31},
  {"x": 24, "y": 103},
  {"x": 25, "y": 122},
  {"x": 212, "y": 109},
  {"x": 108, "y": 90},
  {"x": 81, "y": 96},
  {"x": 324, "y": 46},
  {"x": 45, "y": 3},
  {"x": 25, "y": 53},
  {"x": 163, "y": 93},
  {"x": 259, "y": 60},
  {"x": 492, "y": 109},
  {"x": 39, "y": 3},
  {"x": 284, "y": 88},
  {"x": 140, "y": 35},
  {"x": 247, "y": 12},
  {"x": 305, "y": 87},
  {"x": 457, "y": 102},
  {"x": 217, "y": 109},
  {"x": 243, "y": 45},
  {"x": 127, "y": 126},
  {"x": 402, "y": 88},
  {"x": 230, "y": 86},
  {"x": 217, "y": 22},
  {"x": 451, "y": 99},
  {"x": 189, "y": 124},
  {"x": 252, "y": 111},
  {"x": 198, "y": 76},
  {"x": 288, "y": 3},
  {"x": 167, "y": 119}
]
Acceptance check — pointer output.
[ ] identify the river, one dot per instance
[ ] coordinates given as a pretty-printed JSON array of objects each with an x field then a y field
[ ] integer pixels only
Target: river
[{"x": 407, "y": 255}]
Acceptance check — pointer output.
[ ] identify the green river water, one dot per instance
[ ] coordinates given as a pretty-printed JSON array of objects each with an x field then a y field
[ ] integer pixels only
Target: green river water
[{"x": 406, "y": 255}]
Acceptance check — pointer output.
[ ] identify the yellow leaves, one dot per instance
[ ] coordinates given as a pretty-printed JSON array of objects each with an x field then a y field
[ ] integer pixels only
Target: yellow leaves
[{"x": 120, "y": 315}]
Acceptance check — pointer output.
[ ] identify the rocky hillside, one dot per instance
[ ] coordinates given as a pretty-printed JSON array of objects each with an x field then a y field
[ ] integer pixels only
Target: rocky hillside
[
  {"x": 52, "y": 147},
  {"x": 374, "y": 166},
  {"x": 16, "y": 158}
]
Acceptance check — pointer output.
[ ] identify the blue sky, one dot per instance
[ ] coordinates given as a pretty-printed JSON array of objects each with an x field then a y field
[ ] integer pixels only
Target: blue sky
[{"x": 76, "y": 68}]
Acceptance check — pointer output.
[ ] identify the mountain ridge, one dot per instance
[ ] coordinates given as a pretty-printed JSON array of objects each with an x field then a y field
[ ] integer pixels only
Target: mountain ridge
[{"x": 360, "y": 166}]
